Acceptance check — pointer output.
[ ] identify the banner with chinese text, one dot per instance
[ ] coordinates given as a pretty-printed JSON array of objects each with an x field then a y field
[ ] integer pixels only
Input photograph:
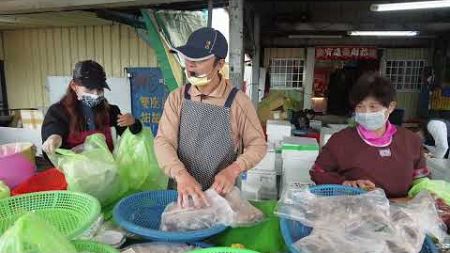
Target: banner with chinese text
[
  {"x": 148, "y": 95},
  {"x": 346, "y": 53}
]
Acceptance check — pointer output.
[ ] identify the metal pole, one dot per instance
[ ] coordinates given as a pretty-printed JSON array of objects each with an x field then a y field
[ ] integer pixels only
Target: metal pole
[
  {"x": 210, "y": 11},
  {"x": 256, "y": 61},
  {"x": 309, "y": 78},
  {"x": 236, "y": 42}
]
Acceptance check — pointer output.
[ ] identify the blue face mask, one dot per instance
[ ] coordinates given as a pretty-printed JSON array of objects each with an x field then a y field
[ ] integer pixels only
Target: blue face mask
[{"x": 371, "y": 120}]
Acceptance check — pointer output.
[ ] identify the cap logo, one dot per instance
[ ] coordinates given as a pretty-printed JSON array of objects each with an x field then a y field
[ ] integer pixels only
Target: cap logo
[{"x": 208, "y": 44}]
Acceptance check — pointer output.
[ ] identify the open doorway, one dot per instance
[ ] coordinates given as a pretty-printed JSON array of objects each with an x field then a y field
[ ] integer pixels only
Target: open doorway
[{"x": 3, "y": 97}]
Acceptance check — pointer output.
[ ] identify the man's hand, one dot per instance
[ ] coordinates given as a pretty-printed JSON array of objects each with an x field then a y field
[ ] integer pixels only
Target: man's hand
[
  {"x": 226, "y": 179},
  {"x": 188, "y": 188}
]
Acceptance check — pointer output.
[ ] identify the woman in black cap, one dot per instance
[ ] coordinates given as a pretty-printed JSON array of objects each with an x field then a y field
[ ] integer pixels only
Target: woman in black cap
[{"x": 84, "y": 111}]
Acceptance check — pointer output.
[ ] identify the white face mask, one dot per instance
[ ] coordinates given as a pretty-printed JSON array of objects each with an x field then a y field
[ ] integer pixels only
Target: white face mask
[
  {"x": 200, "y": 80},
  {"x": 371, "y": 120}
]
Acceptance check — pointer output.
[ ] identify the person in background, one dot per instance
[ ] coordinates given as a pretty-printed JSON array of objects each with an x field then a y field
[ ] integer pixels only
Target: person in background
[
  {"x": 206, "y": 124},
  {"x": 435, "y": 134},
  {"x": 84, "y": 111},
  {"x": 375, "y": 153}
]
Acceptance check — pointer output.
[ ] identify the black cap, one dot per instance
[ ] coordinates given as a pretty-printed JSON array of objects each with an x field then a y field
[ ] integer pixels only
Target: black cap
[
  {"x": 90, "y": 74},
  {"x": 203, "y": 44}
]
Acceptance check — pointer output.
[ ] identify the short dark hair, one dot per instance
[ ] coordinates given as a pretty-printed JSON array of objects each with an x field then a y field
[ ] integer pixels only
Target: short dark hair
[
  {"x": 217, "y": 60},
  {"x": 372, "y": 85}
]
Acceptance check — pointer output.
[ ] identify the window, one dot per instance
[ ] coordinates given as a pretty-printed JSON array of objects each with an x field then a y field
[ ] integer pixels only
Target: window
[
  {"x": 405, "y": 75},
  {"x": 286, "y": 73}
]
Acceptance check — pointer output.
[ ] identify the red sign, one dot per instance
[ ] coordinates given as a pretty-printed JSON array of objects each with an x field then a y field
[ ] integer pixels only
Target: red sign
[{"x": 346, "y": 53}]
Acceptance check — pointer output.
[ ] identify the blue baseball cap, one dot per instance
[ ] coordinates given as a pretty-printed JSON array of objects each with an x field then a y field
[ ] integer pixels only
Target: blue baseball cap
[{"x": 203, "y": 44}]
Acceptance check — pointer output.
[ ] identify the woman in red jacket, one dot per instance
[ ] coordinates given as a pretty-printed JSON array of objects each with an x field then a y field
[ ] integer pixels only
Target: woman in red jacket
[{"x": 375, "y": 153}]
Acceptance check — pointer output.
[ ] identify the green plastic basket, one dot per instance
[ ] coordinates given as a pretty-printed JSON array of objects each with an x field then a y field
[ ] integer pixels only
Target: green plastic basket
[
  {"x": 71, "y": 213},
  {"x": 93, "y": 247},
  {"x": 222, "y": 250}
]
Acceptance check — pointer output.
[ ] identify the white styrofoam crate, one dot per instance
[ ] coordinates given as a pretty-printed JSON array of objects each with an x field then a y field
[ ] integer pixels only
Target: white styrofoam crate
[
  {"x": 278, "y": 127},
  {"x": 440, "y": 168},
  {"x": 259, "y": 184},
  {"x": 296, "y": 171},
  {"x": 290, "y": 145},
  {"x": 325, "y": 135},
  {"x": 268, "y": 162}
]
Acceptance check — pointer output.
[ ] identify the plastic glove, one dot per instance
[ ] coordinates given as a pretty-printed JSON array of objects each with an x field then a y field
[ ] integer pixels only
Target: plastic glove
[
  {"x": 52, "y": 143},
  {"x": 225, "y": 180},
  {"x": 187, "y": 188}
]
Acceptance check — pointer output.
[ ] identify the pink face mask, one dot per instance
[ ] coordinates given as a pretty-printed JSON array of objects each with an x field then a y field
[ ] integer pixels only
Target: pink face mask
[{"x": 373, "y": 140}]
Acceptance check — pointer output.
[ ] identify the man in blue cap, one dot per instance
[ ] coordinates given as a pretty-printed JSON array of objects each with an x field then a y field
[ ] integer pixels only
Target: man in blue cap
[{"x": 209, "y": 132}]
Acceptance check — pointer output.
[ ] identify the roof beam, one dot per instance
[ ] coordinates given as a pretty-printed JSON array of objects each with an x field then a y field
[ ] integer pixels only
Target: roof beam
[{"x": 35, "y": 6}]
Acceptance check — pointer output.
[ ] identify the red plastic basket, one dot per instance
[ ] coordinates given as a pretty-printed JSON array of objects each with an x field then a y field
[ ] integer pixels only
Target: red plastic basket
[{"x": 49, "y": 180}]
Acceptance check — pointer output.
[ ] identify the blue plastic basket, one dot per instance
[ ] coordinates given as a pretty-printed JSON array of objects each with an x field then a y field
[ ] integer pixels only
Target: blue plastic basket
[
  {"x": 292, "y": 231},
  {"x": 140, "y": 214}
]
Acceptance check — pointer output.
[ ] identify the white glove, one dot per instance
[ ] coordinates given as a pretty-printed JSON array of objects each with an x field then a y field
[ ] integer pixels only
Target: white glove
[{"x": 52, "y": 143}]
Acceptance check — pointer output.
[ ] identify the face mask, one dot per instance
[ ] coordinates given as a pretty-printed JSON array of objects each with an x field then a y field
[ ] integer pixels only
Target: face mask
[
  {"x": 91, "y": 100},
  {"x": 201, "y": 80},
  {"x": 371, "y": 120}
]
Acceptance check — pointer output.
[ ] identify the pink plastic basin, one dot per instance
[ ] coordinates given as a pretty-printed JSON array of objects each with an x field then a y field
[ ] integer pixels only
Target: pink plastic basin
[{"x": 17, "y": 163}]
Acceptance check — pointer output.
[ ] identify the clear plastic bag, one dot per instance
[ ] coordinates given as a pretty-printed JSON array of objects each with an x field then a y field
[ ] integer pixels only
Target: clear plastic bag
[
  {"x": 175, "y": 218},
  {"x": 328, "y": 240},
  {"x": 231, "y": 210},
  {"x": 313, "y": 210},
  {"x": 424, "y": 212},
  {"x": 361, "y": 223},
  {"x": 90, "y": 168},
  {"x": 158, "y": 247},
  {"x": 374, "y": 231},
  {"x": 244, "y": 213}
]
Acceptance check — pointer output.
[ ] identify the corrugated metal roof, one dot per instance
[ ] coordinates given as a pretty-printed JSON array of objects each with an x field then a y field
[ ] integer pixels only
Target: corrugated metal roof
[{"x": 50, "y": 19}]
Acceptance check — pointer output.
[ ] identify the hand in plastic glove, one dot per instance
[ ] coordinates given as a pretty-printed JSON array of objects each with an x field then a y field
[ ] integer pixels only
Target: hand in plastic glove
[
  {"x": 363, "y": 184},
  {"x": 53, "y": 142},
  {"x": 125, "y": 120},
  {"x": 225, "y": 180},
  {"x": 428, "y": 155},
  {"x": 188, "y": 188}
]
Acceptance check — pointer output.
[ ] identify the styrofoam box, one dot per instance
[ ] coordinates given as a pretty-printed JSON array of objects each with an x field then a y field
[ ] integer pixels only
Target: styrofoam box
[
  {"x": 268, "y": 162},
  {"x": 338, "y": 127},
  {"x": 326, "y": 133},
  {"x": 276, "y": 141},
  {"x": 298, "y": 186},
  {"x": 278, "y": 127},
  {"x": 440, "y": 168},
  {"x": 296, "y": 171},
  {"x": 259, "y": 182},
  {"x": 258, "y": 196},
  {"x": 300, "y": 154}
]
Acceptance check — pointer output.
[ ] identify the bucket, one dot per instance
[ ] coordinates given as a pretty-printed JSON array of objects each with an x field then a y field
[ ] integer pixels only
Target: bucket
[{"x": 17, "y": 163}]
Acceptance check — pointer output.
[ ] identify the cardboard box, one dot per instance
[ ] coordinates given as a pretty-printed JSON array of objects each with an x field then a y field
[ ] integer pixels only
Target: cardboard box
[{"x": 31, "y": 119}]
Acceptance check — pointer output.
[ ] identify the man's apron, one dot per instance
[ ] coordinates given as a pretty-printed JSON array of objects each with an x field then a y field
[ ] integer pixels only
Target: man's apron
[{"x": 205, "y": 141}]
